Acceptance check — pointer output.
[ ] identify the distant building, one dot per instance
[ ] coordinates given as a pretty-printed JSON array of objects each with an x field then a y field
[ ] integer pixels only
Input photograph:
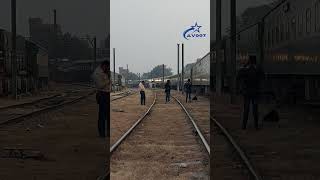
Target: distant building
[
  {"x": 123, "y": 71},
  {"x": 44, "y": 34},
  {"x": 32, "y": 64}
]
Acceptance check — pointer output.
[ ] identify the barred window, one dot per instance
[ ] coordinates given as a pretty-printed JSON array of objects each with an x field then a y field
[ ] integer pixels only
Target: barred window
[
  {"x": 294, "y": 28},
  {"x": 300, "y": 27},
  {"x": 269, "y": 39},
  {"x": 317, "y": 16},
  {"x": 288, "y": 31},
  {"x": 272, "y": 37},
  {"x": 281, "y": 32},
  {"x": 308, "y": 20},
  {"x": 277, "y": 34}
]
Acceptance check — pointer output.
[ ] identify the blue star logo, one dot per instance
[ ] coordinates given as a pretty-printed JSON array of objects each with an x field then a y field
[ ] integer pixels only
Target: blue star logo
[
  {"x": 193, "y": 29},
  {"x": 196, "y": 28}
]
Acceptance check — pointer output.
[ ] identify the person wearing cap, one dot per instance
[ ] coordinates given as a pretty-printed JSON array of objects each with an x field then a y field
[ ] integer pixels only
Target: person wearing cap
[
  {"x": 249, "y": 78},
  {"x": 101, "y": 78}
]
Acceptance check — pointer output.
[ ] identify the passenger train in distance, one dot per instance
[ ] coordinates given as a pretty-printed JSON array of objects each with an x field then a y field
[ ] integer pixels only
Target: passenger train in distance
[
  {"x": 199, "y": 75},
  {"x": 286, "y": 42}
]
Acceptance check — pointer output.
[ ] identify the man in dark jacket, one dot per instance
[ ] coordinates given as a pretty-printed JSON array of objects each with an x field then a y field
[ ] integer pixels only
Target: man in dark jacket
[
  {"x": 167, "y": 89},
  {"x": 188, "y": 89},
  {"x": 101, "y": 77},
  {"x": 250, "y": 78}
]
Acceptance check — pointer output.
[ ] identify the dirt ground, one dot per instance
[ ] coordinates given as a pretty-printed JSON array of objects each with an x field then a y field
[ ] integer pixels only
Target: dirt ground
[
  {"x": 200, "y": 111},
  {"x": 164, "y": 146},
  {"x": 226, "y": 162},
  {"x": 125, "y": 112},
  {"x": 59, "y": 145},
  {"x": 288, "y": 149},
  {"x": 54, "y": 89}
]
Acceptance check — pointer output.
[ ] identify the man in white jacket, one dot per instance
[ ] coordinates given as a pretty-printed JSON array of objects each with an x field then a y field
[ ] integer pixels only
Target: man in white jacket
[
  {"x": 101, "y": 77},
  {"x": 142, "y": 90}
]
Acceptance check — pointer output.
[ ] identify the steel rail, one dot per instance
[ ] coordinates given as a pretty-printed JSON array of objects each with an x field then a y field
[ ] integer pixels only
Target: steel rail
[
  {"x": 127, "y": 94},
  {"x": 126, "y": 134},
  {"x": 241, "y": 153},
  {"x": 20, "y": 118},
  {"x": 29, "y": 103},
  {"x": 203, "y": 140}
]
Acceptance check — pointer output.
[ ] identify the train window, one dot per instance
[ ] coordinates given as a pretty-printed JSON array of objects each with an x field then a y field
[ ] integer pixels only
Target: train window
[
  {"x": 269, "y": 39},
  {"x": 300, "y": 27},
  {"x": 272, "y": 37},
  {"x": 281, "y": 31},
  {"x": 288, "y": 31},
  {"x": 294, "y": 28},
  {"x": 308, "y": 20},
  {"x": 317, "y": 17},
  {"x": 277, "y": 34}
]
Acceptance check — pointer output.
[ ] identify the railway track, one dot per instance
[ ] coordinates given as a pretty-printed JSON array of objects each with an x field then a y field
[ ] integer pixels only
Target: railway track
[
  {"x": 17, "y": 113},
  {"x": 230, "y": 159},
  {"x": 182, "y": 142},
  {"x": 118, "y": 96}
]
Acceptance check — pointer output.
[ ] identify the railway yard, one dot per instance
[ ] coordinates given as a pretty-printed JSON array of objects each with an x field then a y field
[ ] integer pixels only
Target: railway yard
[
  {"x": 287, "y": 149},
  {"x": 163, "y": 146},
  {"x": 55, "y": 137},
  {"x": 266, "y": 56}
]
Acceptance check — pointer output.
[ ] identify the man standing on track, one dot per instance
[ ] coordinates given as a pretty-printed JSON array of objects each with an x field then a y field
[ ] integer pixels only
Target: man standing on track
[
  {"x": 188, "y": 89},
  {"x": 167, "y": 90},
  {"x": 142, "y": 90},
  {"x": 101, "y": 77},
  {"x": 250, "y": 78}
]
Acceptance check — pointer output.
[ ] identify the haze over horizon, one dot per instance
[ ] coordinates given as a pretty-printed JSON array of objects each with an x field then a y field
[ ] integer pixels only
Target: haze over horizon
[
  {"x": 165, "y": 20},
  {"x": 147, "y": 37}
]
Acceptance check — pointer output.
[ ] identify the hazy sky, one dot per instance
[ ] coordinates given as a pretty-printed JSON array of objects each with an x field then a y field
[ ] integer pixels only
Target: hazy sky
[
  {"x": 145, "y": 33},
  {"x": 77, "y": 16}
]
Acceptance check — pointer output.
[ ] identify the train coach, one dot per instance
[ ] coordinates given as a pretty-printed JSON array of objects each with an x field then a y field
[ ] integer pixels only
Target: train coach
[
  {"x": 199, "y": 74},
  {"x": 286, "y": 42}
]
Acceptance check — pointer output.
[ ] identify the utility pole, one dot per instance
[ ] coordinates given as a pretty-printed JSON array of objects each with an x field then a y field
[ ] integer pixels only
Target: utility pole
[
  {"x": 94, "y": 52},
  {"x": 178, "y": 88},
  {"x": 53, "y": 49},
  {"x": 14, "y": 48},
  {"x": 127, "y": 74},
  {"x": 218, "y": 48},
  {"x": 233, "y": 48},
  {"x": 215, "y": 10},
  {"x": 182, "y": 73},
  {"x": 114, "y": 69},
  {"x": 163, "y": 74}
]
